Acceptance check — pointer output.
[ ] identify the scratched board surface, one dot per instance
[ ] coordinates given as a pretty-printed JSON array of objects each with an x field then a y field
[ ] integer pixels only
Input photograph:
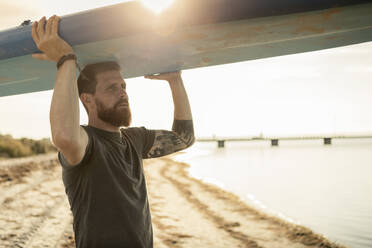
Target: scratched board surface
[{"x": 189, "y": 34}]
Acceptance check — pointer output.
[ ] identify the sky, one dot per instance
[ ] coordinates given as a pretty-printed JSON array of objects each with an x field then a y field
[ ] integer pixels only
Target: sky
[{"x": 322, "y": 92}]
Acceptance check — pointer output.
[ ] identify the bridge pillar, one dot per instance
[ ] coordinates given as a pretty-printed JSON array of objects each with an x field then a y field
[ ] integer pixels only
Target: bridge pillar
[
  {"x": 221, "y": 143},
  {"x": 327, "y": 141},
  {"x": 274, "y": 142}
]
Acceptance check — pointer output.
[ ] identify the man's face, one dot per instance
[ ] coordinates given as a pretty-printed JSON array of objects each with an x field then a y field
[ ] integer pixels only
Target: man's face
[{"x": 111, "y": 99}]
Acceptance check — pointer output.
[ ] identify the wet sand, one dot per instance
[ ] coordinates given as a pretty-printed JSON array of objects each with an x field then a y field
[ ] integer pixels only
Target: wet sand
[{"x": 186, "y": 212}]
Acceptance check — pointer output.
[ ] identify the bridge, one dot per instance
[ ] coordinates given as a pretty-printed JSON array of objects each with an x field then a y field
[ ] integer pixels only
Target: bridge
[{"x": 327, "y": 139}]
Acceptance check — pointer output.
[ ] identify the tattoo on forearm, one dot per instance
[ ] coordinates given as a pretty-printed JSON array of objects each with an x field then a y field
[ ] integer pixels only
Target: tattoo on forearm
[
  {"x": 185, "y": 129},
  {"x": 167, "y": 142}
]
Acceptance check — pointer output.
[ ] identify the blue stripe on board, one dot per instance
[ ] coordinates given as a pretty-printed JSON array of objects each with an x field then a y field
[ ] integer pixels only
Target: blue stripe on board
[{"x": 132, "y": 18}]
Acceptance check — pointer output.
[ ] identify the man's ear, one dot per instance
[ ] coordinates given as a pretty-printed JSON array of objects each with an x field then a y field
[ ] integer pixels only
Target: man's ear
[{"x": 86, "y": 98}]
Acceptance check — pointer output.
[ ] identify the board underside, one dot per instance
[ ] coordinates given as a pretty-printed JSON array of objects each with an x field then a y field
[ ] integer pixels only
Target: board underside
[{"x": 165, "y": 43}]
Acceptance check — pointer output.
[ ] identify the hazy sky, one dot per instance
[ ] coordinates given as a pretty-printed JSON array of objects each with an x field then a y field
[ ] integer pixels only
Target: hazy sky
[{"x": 327, "y": 91}]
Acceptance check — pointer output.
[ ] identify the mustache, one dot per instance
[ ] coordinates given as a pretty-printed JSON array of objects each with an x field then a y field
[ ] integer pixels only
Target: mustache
[{"x": 121, "y": 102}]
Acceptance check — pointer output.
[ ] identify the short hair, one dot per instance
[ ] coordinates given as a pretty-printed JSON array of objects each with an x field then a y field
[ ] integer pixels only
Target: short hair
[
  {"x": 87, "y": 79},
  {"x": 87, "y": 82}
]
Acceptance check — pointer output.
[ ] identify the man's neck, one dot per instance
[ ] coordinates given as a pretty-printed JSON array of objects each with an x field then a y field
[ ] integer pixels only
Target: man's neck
[{"x": 97, "y": 123}]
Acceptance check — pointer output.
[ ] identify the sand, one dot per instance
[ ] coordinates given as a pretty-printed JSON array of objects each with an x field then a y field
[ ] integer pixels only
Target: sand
[{"x": 186, "y": 212}]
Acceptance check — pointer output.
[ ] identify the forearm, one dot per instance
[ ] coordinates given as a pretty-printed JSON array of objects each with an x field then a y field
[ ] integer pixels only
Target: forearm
[
  {"x": 182, "y": 110},
  {"x": 183, "y": 123},
  {"x": 64, "y": 109}
]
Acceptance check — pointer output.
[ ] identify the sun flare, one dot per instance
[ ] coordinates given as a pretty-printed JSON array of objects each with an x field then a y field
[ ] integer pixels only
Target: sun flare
[{"x": 157, "y": 5}]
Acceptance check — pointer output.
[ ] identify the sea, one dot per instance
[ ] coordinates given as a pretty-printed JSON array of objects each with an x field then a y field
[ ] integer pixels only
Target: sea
[{"x": 327, "y": 188}]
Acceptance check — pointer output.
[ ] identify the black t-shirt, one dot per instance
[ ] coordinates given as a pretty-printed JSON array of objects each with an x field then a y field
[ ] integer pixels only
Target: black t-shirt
[{"x": 107, "y": 189}]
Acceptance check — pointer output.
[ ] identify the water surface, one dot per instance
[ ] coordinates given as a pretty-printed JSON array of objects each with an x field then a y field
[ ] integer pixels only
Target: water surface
[{"x": 326, "y": 188}]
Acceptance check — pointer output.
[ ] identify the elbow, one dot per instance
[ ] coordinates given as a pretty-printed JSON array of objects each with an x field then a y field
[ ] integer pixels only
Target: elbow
[
  {"x": 193, "y": 140},
  {"x": 190, "y": 141}
]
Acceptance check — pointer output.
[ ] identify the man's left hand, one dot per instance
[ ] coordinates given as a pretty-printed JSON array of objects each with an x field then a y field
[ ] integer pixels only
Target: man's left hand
[{"x": 169, "y": 76}]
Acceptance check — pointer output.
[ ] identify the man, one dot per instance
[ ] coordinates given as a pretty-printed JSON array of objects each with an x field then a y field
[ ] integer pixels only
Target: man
[{"x": 101, "y": 162}]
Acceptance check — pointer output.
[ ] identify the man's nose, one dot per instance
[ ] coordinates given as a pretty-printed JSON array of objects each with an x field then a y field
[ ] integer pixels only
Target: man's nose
[{"x": 123, "y": 94}]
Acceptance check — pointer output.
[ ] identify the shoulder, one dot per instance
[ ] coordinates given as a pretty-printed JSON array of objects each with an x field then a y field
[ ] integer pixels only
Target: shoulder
[
  {"x": 133, "y": 131},
  {"x": 88, "y": 129},
  {"x": 78, "y": 152}
]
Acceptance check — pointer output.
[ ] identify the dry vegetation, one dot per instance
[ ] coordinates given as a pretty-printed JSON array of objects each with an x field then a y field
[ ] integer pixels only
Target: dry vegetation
[{"x": 15, "y": 148}]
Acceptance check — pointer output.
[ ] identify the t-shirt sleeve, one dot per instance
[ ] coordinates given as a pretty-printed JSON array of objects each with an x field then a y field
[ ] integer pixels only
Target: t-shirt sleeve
[
  {"x": 143, "y": 139},
  {"x": 88, "y": 151}
]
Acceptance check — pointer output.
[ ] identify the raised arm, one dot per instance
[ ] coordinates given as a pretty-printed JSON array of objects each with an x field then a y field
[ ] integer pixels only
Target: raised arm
[
  {"x": 182, "y": 134},
  {"x": 67, "y": 135}
]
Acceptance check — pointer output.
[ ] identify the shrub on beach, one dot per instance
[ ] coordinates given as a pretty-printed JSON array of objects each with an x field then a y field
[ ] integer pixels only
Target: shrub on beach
[
  {"x": 38, "y": 146},
  {"x": 12, "y": 148}
]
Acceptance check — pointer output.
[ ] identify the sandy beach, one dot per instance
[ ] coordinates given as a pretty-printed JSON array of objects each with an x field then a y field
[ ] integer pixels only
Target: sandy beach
[{"x": 186, "y": 212}]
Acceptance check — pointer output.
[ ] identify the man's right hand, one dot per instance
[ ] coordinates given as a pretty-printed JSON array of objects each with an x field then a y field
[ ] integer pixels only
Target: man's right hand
[{"x": 47, "y": 40}]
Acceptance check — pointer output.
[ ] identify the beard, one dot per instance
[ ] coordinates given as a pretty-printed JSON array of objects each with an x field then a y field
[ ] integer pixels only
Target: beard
[{"x": 115, "y": 116}]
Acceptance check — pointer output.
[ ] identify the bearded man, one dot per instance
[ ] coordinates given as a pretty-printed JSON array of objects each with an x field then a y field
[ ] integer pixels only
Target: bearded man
[{"x": 102, "y": 162}]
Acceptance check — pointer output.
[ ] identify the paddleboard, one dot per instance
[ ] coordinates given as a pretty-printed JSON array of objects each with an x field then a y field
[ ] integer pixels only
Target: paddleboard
[{"x": 188, "y": 34}]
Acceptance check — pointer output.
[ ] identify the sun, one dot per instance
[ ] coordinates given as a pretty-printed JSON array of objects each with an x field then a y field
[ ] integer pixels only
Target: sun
[{"x": 157, "y": 5}]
